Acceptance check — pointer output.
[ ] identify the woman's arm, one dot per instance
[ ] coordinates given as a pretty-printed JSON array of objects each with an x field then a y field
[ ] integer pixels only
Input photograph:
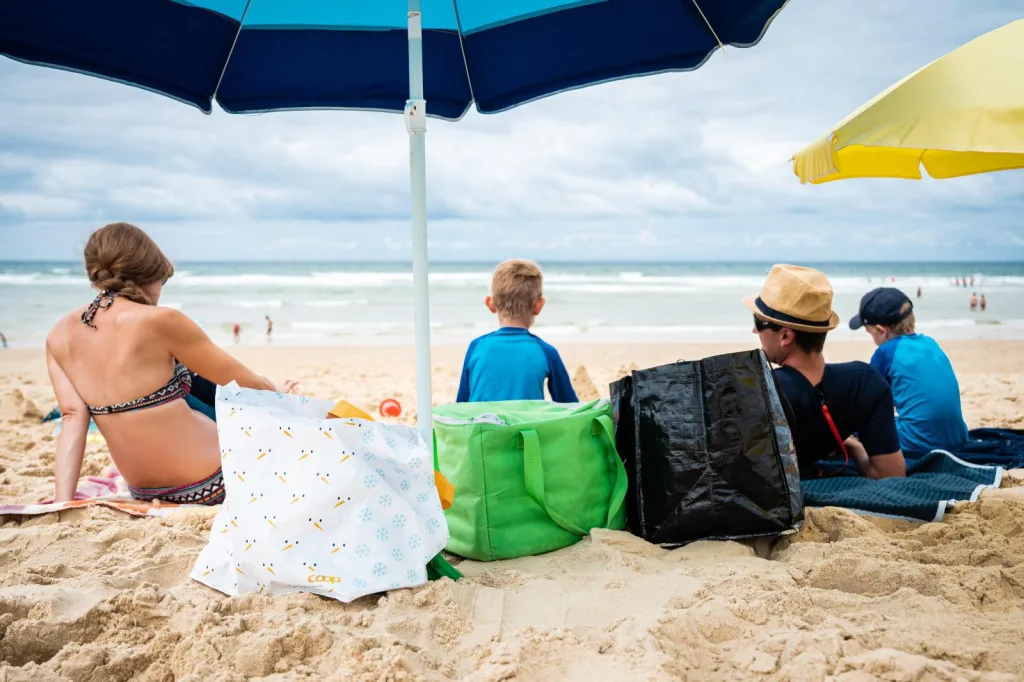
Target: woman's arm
[
  {"x": 75, "y": 418},
  {"x": 193, "y": 348}
]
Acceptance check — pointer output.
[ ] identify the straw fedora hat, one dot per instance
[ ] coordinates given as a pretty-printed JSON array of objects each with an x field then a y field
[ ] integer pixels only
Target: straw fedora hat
[{"x": 795, "y": 297}]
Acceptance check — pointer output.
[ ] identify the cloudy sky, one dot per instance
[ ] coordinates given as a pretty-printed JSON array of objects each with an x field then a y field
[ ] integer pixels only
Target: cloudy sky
[{"x": 690, "y": 166}]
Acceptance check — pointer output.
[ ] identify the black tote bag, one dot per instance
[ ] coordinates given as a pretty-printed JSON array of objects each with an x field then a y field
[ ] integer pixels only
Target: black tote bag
[{"x": 707, "y": 450}]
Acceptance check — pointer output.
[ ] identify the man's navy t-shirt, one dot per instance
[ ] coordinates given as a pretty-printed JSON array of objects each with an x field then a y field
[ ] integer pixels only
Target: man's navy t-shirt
[
  {"x": 860, "y": 402},
  {"x": 512, "y": 364}
]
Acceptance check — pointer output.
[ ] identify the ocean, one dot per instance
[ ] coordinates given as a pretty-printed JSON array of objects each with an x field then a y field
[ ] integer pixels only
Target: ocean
[{"x": 371, "y": 303}]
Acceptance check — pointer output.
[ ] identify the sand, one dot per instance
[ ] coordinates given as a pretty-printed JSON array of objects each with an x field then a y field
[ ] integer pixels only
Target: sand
[{"x": 95, "y": 595}]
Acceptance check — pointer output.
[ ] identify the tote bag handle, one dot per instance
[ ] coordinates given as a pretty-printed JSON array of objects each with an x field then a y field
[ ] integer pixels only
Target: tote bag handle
[
  {"x": 534, "y": 474},
  {"x": 605, "y": 429}
]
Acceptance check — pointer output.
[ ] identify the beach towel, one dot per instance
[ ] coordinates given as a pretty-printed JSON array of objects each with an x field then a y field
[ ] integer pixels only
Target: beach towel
[
  {"x": 933, "y": 483},
  {"x": 109, "y": 490},
  {"x": 993, "y": 447},
  {"x": 999, "y": 447}
]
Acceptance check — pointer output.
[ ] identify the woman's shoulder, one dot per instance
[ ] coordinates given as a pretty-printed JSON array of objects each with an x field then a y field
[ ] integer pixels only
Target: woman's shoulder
[{"x": 59, "y": 331}]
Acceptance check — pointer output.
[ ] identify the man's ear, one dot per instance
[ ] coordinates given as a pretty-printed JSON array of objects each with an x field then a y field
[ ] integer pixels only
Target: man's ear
[
  {"x": 787, "y": 337},
  {"x": 489, "y": 302},
  {"x": 538, "y": 306}
]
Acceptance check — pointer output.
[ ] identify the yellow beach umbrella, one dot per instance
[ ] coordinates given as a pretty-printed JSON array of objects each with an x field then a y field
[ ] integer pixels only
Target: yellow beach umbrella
[{"x": 960, "y": 115}]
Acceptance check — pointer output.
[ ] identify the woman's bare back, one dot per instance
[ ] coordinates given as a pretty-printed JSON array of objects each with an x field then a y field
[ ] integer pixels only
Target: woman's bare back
[{"x": 123, "y": 358}]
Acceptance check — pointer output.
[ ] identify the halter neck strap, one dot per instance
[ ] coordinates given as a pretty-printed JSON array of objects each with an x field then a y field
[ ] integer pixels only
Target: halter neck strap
[{"x": 103, "y": 300}]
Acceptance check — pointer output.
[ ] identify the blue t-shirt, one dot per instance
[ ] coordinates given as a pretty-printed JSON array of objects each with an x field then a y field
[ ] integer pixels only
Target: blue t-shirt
[
  {"x": 925, "y": 392},
  {"x": 512, "y": 364}
]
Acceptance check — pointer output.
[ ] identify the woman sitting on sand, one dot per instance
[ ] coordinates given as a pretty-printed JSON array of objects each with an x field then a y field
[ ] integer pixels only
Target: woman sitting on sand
[{"x": 130, "y": 365}]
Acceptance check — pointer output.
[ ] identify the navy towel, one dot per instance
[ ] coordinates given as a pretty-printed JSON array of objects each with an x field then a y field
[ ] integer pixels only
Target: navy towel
[{"x": 933, "y": 482}]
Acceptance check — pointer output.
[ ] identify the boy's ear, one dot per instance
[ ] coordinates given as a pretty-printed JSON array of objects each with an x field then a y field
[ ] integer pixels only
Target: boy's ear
[
  {"x": 489, "y": 302},
  {"x": 538, "y": 306}
]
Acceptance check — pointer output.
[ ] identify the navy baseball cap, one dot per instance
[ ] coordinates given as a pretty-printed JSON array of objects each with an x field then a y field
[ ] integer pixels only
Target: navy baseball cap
[{"x": 884, "y": 305}]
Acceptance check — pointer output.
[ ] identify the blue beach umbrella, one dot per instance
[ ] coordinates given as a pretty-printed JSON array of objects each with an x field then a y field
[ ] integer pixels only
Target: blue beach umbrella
[{"x": 388, "y": 55}]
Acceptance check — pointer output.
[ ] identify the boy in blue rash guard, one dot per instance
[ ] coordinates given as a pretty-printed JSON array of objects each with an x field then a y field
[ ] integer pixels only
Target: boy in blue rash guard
[
  {"x": 511, "y": 363},
  {"x": 925, "y": 390}
]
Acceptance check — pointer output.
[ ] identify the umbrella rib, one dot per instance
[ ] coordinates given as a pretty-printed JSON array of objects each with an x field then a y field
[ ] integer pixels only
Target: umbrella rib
[
  {"x": 231, "y": 52},
  {"x": 462, "y": 46},
  {"x": 708, "y": 24}
]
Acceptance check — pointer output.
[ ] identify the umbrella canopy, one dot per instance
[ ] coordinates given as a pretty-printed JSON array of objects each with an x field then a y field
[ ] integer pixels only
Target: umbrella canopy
[
  {"x": 390, "y": 55},
  {"x": 266, "y": 55},
  {"x": 960, "y": 115}
]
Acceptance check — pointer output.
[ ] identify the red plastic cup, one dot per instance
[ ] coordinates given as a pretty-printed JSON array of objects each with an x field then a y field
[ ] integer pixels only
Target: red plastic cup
[{"x": 389, "y": 407}]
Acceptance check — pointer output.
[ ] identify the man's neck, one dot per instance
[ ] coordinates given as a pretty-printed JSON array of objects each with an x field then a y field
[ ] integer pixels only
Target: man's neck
[{"x": 811, "y": 365}]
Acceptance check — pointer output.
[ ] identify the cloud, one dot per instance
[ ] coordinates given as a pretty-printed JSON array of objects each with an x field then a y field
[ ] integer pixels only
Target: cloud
[{"x": 675, "y": 166}]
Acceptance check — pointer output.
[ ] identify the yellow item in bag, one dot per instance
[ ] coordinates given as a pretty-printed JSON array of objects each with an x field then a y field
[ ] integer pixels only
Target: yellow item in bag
[
  {"x": 346, "y": 410},
  {"x": 445, "y": 490}
]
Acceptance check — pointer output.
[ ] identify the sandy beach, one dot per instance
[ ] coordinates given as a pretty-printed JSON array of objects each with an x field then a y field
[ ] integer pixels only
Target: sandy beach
[{"x": 93, "y": 595}]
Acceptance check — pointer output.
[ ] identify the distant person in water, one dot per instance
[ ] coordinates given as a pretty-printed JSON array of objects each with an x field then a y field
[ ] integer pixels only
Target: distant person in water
[
  {"x": 974, "y": 302},
  {"x": 270, "y": 327},
  {"x": 108, "y": 362},
  {"x": 983, "y": 303},
  {"x": 919, "y": 292},
  {"x": 237, "y": 332},
  {"x": 3, "y": 339}
]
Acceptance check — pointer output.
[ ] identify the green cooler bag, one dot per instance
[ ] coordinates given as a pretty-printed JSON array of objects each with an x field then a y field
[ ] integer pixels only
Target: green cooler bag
[{"x": 530, "y": 476}]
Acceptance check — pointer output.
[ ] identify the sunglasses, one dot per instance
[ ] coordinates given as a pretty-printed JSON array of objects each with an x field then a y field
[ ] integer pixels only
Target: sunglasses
[{"x": 764, "y": 325}]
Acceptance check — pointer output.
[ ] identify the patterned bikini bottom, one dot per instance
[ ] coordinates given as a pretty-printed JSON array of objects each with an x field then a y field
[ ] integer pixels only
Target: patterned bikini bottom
[{"x": 208, "y": 491}]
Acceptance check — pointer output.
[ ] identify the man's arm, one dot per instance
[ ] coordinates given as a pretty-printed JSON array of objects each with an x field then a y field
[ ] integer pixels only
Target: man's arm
[
  {"x": 877, "y": 451},
  {"x": 74, "y": 416},
  {"x": 878, "y": 466}
]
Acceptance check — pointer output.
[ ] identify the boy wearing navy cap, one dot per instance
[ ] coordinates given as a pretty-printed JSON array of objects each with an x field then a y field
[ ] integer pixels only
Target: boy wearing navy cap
[{"x": 925, "y": 390}]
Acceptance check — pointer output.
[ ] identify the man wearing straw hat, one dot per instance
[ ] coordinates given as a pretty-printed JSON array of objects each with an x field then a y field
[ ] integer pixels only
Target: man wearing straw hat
[{"x": 827, "y": 404}]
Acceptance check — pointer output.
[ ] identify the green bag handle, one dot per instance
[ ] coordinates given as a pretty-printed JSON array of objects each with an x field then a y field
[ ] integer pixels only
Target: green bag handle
[
  {"x": 438, "y": 568},
  {"x": 605, "y": 428},
  {"x": 534, "y": 474},
  {"x": 433, "y": 432}
]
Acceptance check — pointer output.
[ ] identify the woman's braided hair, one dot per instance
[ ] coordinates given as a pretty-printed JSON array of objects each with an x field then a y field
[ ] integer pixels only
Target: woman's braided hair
[{"x": 121, "y": 259}]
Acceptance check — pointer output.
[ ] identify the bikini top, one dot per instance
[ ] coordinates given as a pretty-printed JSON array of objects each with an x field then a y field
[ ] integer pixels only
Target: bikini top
[{"x": 178, "y": 387}]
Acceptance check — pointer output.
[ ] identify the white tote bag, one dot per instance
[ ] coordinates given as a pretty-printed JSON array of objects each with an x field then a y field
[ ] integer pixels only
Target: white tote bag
[{"x": 337, "y": 507}]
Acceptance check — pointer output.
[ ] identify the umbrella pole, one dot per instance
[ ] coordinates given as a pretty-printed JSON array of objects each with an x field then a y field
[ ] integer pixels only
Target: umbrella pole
[{"x": 416, "y": 124}]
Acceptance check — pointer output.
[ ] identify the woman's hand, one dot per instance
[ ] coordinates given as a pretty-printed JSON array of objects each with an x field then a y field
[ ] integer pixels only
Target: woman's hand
[{"x": 288, "y": 386}]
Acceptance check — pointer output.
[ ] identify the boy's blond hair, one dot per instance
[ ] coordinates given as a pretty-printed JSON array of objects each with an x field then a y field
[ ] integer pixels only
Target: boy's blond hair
[
  {"x": 904, "y": 326},
  {"x": 516, "y": 286}
]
